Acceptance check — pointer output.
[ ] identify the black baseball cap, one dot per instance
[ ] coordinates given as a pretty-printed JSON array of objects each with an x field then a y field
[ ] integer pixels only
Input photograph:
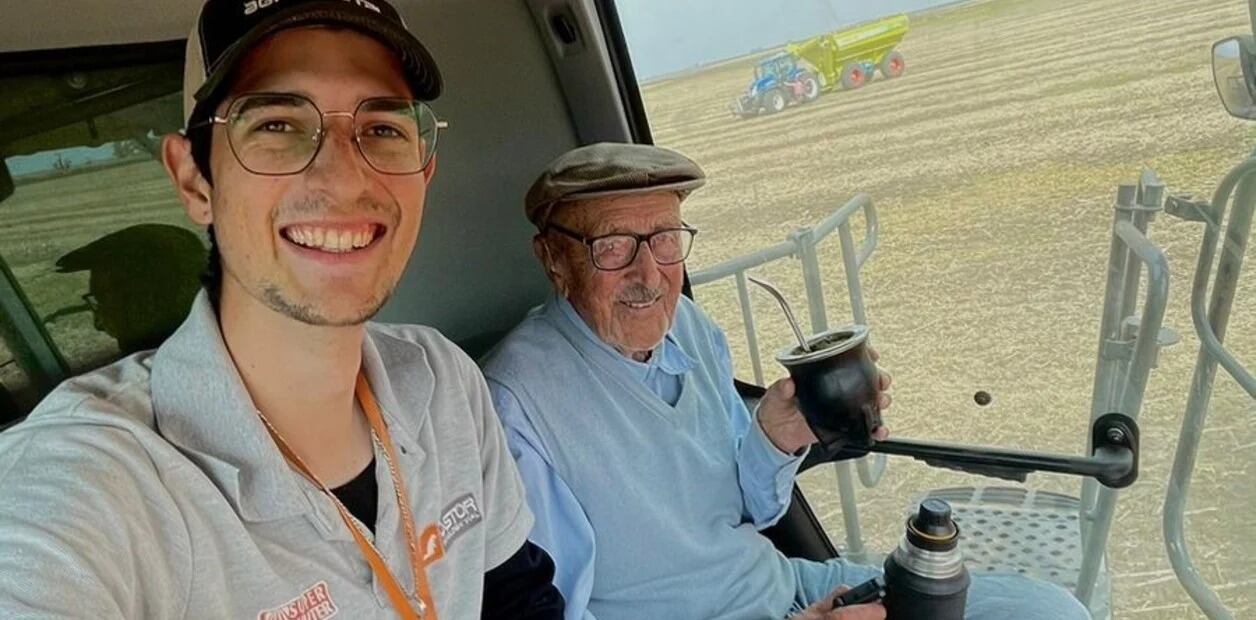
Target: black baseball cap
[{"x": 227, "y": 29}]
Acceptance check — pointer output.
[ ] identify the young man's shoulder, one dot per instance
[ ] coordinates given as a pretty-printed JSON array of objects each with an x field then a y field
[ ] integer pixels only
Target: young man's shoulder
[
  {"x": 429, "y": 375},
  {"x": 89, "y": 428},
  {"x": 410, "y": 343},
  {"x": 88, "y": 465}
]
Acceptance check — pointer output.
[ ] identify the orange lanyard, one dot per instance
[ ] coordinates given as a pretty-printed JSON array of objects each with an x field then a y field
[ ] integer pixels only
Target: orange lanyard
[{"x": 417, "y": 546}]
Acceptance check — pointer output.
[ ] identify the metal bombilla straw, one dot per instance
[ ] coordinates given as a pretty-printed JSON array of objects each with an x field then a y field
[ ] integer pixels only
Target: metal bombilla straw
[{"x": 789, "y": 314}]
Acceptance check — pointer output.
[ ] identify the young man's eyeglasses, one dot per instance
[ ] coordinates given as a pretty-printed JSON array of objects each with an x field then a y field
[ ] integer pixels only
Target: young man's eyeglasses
[
  {"x": 277, "y": 134},
  {"x": 617, "y": 250}
]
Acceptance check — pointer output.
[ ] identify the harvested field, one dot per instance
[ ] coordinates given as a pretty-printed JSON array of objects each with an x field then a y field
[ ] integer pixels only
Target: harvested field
[{"x": 993, "y": 164}]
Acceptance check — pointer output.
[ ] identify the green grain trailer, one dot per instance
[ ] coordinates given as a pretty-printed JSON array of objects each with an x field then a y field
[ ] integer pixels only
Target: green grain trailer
[{"x": 850, "y": 57}]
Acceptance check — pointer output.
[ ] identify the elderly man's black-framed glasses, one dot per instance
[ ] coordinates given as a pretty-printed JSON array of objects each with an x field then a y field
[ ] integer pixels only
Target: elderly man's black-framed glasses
[
  {"x": 276, "y": 134},
  {"x": 618, "y": 250}
]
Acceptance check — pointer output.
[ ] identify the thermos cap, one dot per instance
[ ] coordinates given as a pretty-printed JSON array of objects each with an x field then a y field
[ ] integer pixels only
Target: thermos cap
[{"x": 932, "y": 527}]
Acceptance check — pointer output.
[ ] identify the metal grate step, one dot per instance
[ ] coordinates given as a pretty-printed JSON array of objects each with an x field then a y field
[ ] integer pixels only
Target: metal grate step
[{"x": 1035, "y": 533}]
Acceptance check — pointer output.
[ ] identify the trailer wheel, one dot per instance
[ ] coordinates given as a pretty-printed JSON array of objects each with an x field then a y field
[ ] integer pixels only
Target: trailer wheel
[
  {"x": 775, "y": 101},
  {"x": 893, "y": 65},
  {"x": 853, "y": 76},
  {"x": 810, "y": 88}
]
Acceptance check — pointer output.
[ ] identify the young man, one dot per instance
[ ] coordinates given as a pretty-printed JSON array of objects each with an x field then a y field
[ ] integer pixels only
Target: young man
[
  {"x": 279, "y": 456},
  {"x": 649, "y": 477}
]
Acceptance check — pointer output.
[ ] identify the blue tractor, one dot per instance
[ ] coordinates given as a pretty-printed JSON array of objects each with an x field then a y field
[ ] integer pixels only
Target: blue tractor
[{"x": 778, "y": 81}]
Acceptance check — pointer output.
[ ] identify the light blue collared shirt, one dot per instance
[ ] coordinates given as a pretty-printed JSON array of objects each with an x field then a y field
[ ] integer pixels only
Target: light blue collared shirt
[{"x": 562, "y": 528}]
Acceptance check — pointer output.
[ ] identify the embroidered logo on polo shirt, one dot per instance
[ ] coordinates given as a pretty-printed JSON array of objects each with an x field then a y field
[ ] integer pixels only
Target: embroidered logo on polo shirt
[
  {"x": 313, "y": 604},
  {"x": 459, "y": 517}
]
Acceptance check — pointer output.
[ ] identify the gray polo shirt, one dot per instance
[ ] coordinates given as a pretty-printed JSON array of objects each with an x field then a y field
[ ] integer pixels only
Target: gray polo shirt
[{"x": 150, "y": 489}]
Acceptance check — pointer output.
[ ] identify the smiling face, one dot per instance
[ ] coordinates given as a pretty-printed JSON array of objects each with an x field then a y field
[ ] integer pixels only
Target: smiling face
[
  {"x": 325, "y": 246},
  {"x": 630, "y": 309}
]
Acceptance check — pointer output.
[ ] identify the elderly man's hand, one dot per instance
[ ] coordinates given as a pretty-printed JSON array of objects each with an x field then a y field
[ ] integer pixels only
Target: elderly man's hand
[
  {"x": 823, "y": 610},
  {"x": 785, "y": 425}
]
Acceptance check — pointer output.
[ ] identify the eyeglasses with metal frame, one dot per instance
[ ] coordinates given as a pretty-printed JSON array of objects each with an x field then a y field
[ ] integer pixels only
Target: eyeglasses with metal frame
[
  {"x": 279, "y": 134},
  {"x": 616, "y": 251}
]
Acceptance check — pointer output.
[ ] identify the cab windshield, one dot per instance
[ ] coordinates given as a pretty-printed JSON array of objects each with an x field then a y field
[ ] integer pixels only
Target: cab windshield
[{"x": 990, "y": 138}]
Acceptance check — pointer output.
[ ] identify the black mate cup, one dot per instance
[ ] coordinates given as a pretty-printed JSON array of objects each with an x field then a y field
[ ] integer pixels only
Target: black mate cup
[{"x": 836, "y": 386}]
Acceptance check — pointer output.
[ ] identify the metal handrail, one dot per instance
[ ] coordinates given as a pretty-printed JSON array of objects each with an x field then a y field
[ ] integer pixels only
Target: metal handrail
[
  {"x": 1211, "y": 328},
  {"x": 1124, "y": 359},
  {"x": 794, "y": 246},
  {"x": 870, "y": 470},
  {"x": 1134, "y": 386},
  {"x": 1207, "y": 335},
  {"x": 802, "y": 244},
  {"x": 789, "y": 247}
]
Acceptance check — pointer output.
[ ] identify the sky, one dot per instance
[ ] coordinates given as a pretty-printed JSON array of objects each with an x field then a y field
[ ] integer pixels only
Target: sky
[
  {"x": 26, "y": 164},
  {"x": 665, "y": 36}
]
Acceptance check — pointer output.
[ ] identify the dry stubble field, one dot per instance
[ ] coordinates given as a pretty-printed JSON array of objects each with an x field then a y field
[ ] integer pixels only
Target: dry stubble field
[{"x": 993, "y": 165}]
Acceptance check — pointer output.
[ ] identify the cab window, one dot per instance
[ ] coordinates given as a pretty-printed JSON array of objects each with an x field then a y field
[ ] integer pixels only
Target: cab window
[
  {"x": 97, "y": 258},
  {"x": 990, "y": 138}
]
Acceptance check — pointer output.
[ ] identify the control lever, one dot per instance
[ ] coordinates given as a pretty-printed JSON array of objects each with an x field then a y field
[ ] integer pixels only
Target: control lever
[{"x": 1113, "y": 459}]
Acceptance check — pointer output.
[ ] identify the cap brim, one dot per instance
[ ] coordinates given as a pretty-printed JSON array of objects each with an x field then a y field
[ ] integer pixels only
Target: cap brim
[
  {"x": 421, "y": 72},
  {"x": 542, "y": 213},
  {"x": 683, "y": 187}
]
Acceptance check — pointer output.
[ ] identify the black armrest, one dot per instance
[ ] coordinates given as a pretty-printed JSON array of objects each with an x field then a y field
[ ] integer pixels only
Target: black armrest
[
  {"x": 820, "y": 455},
  {"x": 750, "y": 393},
  {"x": 799, "y": 533}
]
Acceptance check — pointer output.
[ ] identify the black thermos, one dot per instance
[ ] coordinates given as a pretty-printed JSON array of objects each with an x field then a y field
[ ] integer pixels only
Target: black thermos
[{"x": 925, "y": 577}]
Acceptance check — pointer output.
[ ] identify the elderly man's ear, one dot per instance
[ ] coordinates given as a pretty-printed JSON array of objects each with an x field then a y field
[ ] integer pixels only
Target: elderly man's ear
[{"x": 554, "y": 268}]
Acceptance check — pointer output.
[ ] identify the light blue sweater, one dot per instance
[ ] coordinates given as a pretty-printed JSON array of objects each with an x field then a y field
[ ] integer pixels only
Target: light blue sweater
[{"x": 649, "y": 481}]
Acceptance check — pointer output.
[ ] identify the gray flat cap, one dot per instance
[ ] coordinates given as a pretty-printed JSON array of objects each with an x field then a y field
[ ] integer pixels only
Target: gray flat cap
[{"x": 610, "y": 169}]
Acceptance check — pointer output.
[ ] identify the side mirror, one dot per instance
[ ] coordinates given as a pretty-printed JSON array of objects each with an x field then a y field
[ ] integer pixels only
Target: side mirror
[{"x": 1234, "y": 70}]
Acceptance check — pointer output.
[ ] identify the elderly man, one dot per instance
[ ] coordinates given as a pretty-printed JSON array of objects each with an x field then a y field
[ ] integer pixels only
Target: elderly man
[
  {"x": 649, "y": 477},
  {"x": 278, "y": 456}
]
